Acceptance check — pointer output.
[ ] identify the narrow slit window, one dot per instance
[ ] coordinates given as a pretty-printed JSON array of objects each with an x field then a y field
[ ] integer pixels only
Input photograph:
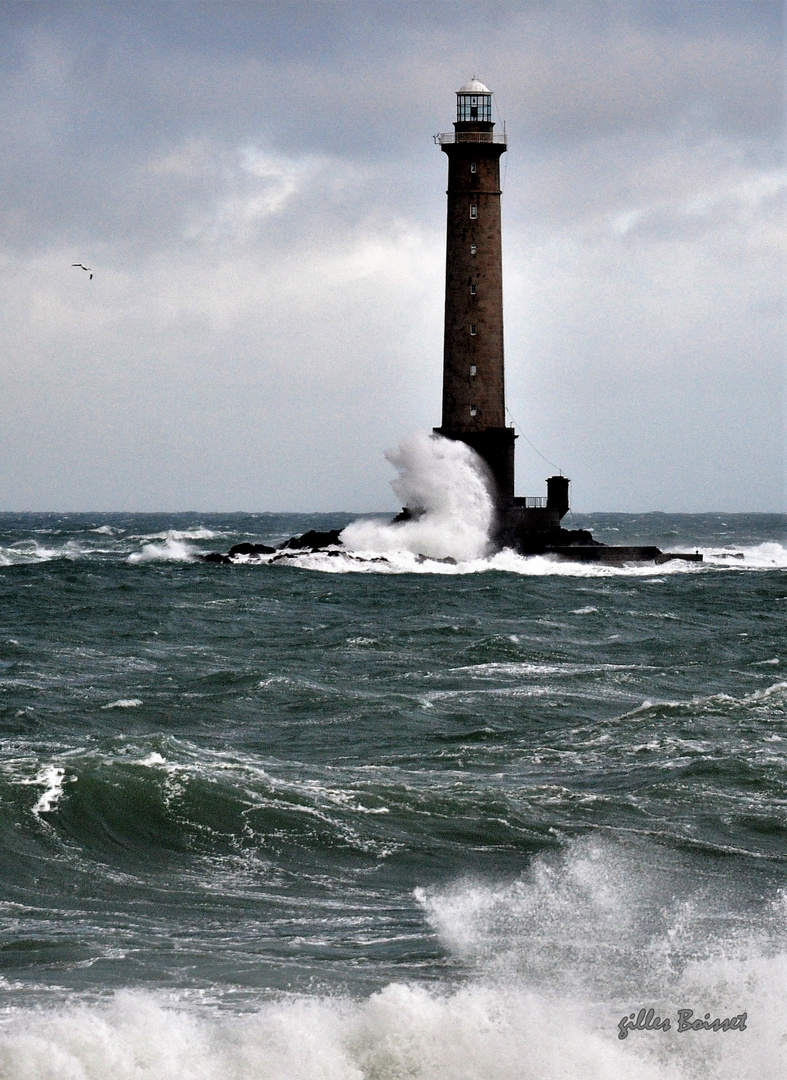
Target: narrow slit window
[
  {"x": 472, "y": 290},
  {"x": 473, "y": 211},
  {"x": 473, "y": 249},
  {"x": 473, "y": 410},
  {"x": 472, "y": 370},
  {"x": 473, "y": 168},
  {"x": 472, "y": 329}
]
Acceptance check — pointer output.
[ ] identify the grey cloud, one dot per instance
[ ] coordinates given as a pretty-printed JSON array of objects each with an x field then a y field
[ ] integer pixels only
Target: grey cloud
[{"x": 257, "y": 187}]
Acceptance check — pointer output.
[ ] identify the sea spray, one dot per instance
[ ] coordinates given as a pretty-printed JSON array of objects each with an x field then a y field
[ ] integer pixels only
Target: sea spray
[{"x": 444, "y": 484}]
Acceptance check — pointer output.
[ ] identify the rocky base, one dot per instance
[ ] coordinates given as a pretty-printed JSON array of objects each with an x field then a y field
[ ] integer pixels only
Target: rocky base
[{"x": 573, "y": 545}]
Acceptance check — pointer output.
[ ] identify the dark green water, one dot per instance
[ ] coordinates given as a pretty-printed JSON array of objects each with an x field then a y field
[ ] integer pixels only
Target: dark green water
[{"x": 365, "y": 818}]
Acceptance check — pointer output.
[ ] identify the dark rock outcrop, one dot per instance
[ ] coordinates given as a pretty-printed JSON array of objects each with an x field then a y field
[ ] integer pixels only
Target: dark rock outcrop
[
  {"x": 312, "y": 539},
  {"x": 251, "y": 549},
  {"x": 308, "y": 541},
  {"x": 215, "y": 557},
  {"x": 406, "y": 514}
]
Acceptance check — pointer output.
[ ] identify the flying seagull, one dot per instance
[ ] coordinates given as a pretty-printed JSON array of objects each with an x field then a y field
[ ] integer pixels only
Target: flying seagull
[{"x": 82, "y": 265}]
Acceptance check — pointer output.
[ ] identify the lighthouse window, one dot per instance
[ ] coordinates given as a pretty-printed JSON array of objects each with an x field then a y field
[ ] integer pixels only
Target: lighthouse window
[
  {"x": 472, "y": 167},
  {"x": 472, "y": 328},
  {"x": 472, "y": 290},
  {"x": 473, "y": 249},
  {"x": 473, "y": 410},
  {"x": 474, "y": 211},
  {"x": 472, "y": 370}
]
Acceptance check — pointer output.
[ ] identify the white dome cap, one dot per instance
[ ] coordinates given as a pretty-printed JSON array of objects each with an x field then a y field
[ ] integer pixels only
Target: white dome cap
[{"x": 474, "y": 87}]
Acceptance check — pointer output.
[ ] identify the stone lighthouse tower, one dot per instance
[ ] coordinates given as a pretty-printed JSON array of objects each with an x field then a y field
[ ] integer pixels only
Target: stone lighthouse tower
[
  {"x": 473, "y": 370},
  {"x": 474, "y": 409}
]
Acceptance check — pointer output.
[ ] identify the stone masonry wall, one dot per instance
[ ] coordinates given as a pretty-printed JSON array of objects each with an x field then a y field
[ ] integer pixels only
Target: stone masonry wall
[{"x": 463, "y": 390}]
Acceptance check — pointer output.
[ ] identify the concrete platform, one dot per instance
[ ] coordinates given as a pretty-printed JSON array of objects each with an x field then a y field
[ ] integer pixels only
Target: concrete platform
[{"x": 618, "y": 556}]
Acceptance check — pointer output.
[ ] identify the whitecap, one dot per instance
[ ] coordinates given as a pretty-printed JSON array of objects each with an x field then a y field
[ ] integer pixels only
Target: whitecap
[
  {"x": 153, "y": 758},
  {"x": 52, "y": 777},
  {"x": 172, "y": 550}
]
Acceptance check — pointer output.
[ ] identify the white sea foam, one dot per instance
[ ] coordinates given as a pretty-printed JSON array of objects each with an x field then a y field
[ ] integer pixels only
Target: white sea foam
[
  {"x": 475, "y": 1033},
  {"x": 401, "y": 560},
  {"x": 123, "y": 703},
  {"x": 444, "y": 478},
  {"x": 766, "y": 556}
]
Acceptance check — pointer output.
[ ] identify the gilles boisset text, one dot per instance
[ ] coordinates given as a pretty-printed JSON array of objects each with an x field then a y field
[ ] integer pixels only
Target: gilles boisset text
[{"x": 645, "y": 1020}]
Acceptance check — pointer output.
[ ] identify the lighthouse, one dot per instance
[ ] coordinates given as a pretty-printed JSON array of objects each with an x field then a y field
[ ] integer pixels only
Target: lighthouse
[
  {"x": 474, "y": 408},
  {"x": 473, "y": 366}
]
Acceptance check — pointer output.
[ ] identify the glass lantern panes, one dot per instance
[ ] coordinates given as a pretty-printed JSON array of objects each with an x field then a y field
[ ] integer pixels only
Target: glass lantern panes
[{"x": 474, "y": 107}]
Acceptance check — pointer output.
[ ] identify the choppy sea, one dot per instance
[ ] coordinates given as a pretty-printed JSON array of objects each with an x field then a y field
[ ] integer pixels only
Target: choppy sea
[{"x": 344, "y": 818}]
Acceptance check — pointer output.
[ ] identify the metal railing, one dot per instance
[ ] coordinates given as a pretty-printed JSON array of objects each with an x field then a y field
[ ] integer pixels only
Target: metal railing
[
  {"x": 471, "y": 137},
  {"x": 531, "y": 502}
]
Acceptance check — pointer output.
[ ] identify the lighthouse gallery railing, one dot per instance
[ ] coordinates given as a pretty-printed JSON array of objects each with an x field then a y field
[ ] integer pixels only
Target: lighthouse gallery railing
[{"x": 471, "y": 137}]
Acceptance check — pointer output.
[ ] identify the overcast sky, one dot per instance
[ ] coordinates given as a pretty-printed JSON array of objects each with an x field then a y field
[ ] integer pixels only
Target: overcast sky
[{"x": 256, "y": 188}]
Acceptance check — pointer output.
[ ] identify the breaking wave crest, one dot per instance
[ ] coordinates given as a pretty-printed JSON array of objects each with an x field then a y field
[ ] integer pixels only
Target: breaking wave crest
[
  {"x": 476, "y": 1033},
  {"x": 554, "y": 959},
  {"x": 174, "y": 549},
  {"x": 444, "y": 486},
  {"x": 599, "y": 929}
]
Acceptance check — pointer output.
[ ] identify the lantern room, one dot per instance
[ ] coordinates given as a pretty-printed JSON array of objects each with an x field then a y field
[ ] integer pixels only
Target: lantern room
[{"x": 474, "y": 103}]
